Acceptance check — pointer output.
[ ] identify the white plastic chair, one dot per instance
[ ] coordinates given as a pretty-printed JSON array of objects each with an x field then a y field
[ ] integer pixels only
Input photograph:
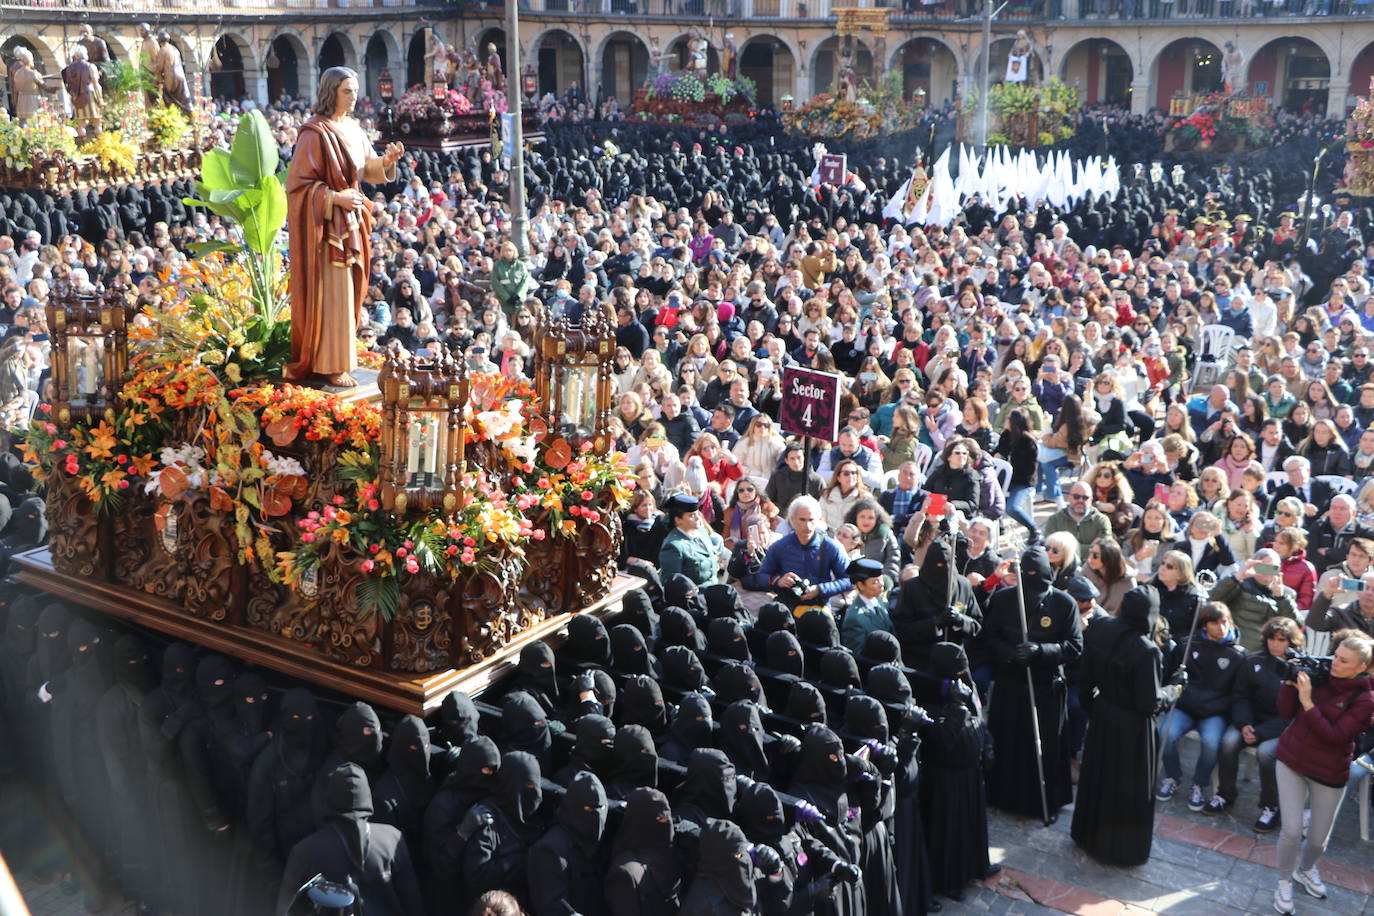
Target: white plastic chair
[
  {"x": 1217, "y": 340},
  {"x": 922, "y": 458},
  {"x": 1003, "y": 469}
]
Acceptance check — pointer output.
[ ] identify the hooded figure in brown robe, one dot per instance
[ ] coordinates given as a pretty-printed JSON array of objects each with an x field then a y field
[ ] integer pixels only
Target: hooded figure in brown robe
[{"x": 329, "y": 222}]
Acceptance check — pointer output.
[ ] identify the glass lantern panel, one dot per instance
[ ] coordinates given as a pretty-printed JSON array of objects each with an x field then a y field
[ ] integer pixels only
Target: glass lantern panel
[
  {"x": 578, "y": 400},
  {"x": 427, "y": 445},
  {"x": 85, "y": 367}
]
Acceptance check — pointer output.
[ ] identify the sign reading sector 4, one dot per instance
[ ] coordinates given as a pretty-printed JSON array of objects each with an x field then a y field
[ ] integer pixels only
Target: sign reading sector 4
[
  {"x": 832, "y": 169},
  {"x": 810, "y": 403}
]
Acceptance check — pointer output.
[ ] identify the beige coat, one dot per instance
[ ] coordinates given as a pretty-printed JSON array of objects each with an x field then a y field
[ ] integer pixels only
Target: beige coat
[{"x": 27, "y": 87}]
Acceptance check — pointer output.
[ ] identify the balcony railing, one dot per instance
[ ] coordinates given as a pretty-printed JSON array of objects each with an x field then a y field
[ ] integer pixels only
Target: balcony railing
[
  {"x": 164, "y": 7},
  {"x": 951, "y": 10}
]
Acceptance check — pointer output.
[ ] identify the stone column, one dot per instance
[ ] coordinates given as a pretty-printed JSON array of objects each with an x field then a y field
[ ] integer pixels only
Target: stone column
[
  {"x": 1142, "y": 95},
  {"x": 1336, "y": 95}
]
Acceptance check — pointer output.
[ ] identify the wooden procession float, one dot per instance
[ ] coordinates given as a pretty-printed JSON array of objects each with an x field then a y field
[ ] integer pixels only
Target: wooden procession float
[{"x": 391, "y": 547}]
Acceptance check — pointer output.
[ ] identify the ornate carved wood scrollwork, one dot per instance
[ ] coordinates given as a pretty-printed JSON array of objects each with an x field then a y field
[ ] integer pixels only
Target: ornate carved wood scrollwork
[
  {"x": 163, "y": 571},
  {"x": 489, "y": 616},
  {"x": 541, "y": 589},
  {"x": 339, "y": 632},
  {"x": 211, "y": 565},
  {"x": 422, "y": 630},
  {"x": 135, "y": 535},
  {"x": 74, "y": 528},
  {"x": 592, "y": 554}
]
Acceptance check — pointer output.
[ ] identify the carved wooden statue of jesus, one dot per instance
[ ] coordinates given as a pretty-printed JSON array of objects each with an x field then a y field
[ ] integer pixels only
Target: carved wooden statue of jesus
[{"x": 330, "y": 226}]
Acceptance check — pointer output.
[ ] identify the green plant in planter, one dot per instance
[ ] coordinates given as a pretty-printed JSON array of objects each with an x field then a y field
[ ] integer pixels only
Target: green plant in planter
[{"x": 242, "y": 184}]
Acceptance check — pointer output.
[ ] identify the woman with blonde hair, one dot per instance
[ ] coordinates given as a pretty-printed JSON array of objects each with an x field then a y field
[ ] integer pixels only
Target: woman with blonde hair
[
  {"x": 846, "y": 488},
  {"x": 630, "y": 409},
  {"x": 1147, "y": 543},
  {"x": 1062, "y": 550},
  {"x": 652, "y": 371},
  {"x": 1113, "y": 496},
  {"x": 1213, "y": 489},
  {"x": 759, "y": 449},
  {"x": 1179, "y": 594}
]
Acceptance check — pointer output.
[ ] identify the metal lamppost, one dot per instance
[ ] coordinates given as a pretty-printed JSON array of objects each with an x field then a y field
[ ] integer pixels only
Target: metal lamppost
[{"x": 514, "y": 105}]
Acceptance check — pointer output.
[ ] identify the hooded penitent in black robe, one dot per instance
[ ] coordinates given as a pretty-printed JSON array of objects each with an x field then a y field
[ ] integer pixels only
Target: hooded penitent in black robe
[
  {"x": 708, "y": 789},
  {"x": 494, "y": 856},
  {"x": 630, "y": 652},
  {"x": 953, "y": 804},
  {"x": 724, "y": 882},
  {"x": 587, "y": 643},
  {"x": 537, "y": 675},
  {"x": 404, "y": 791},
  {"x": 682, "y": 670},
  {"x": 864, "y": 717},
  {"x": 806, "y": 884},
  {"x": 635, "y": 763},
  {"x": 131, "y": 859},
  {"x": 820, "y": 779},
  {"x": 567, "y": 867},
  {"x": 277, "y": 809},
  {"x": 472, "y": 778},
  {"x": 525, "y": 727},
  {"x": 81, "y": 778},
  {"x": 357, "y": 739},
  {"x": 889, "y": 685},
  {"x": 693, "y": 727},
  {"x": 593, "y": 749},
  {"x": 1054, "y": 638},
  {"x": 1120, "y": 687},
  {"x": 645, "y": 874},
  {"x": 938, "y": 605},
  {"x": 348, "y": 850},
  {"x": 641, "y": 703},
  {"x": 456, "y": 726}
]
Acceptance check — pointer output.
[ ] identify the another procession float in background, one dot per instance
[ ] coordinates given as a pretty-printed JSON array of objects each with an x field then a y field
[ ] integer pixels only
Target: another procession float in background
[
  {"x": 1229, "y": 120},
  {"x": 390, "y": 542},
  {"x": 1358, "y": 179},
  {"x": 126, "y": 120}
]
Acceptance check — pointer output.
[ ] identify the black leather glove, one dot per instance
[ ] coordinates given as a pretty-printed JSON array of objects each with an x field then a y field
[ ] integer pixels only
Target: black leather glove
[
  {"x": 1179, "y": 677},
  {"x": 476, "y": 818},
  {"x": 742, "y": 781},
  {"x": 953, "y": 620},
  {"x": 766, "y": 859},
  {"x": 584, "y": 683},
  {"x": 882, "y": 756},
  {"x": 849, "y": 874},
  {"x": 787, "y": 744},
  {"x": 1026, "y": 653}
]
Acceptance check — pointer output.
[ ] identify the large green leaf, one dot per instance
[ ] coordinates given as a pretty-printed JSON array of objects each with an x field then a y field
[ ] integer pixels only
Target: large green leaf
[
  {"x": 267, "y": 216},
  {"x": 205, "y": 249},
  {"x": 214, "y": 170},
  {"x": 254, "y": 153}
]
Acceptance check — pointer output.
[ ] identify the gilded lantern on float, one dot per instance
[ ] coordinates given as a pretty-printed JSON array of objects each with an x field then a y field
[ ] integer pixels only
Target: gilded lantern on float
[
  {"x": 90, "y": 350},
  {"x": 572, "y": 377},
  {"x": 422, "y": 431}
]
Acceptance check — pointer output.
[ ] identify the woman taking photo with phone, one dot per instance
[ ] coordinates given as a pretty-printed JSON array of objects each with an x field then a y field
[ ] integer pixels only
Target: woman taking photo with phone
[{"x": 1314, "y": 754}]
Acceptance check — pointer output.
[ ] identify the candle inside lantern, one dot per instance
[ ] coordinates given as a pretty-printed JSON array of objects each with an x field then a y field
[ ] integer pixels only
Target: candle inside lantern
[
  {"x": 413, "y": 437},
  {"x": 432, "y": 464}
]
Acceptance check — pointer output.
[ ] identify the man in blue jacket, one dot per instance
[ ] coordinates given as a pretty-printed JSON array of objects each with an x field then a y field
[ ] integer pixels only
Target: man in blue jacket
[{"x": 807, "y": 553}]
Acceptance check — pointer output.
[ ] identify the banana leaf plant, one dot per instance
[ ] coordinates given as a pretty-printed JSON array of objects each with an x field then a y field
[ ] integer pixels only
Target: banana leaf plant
[{"x": 243, "y": 184}]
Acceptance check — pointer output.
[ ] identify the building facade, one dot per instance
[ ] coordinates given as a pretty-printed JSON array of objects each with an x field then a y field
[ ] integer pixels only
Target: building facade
[{"x": 1314, "y": 55}]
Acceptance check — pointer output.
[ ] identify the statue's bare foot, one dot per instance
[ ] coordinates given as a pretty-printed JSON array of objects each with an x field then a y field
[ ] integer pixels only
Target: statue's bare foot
[{"x": 341, "y": 380}]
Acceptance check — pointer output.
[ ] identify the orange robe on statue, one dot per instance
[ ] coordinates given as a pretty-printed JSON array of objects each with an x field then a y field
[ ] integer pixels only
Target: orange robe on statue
[{"x": 331, "y": 248}]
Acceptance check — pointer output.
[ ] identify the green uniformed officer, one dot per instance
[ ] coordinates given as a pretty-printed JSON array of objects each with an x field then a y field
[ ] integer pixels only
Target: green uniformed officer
[{"x": 691, "y": 548}]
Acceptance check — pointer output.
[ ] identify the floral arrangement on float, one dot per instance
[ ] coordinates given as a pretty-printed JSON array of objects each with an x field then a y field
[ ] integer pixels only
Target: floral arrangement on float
[
  {"x": 878, "y": 108},
  {"x": 1219, "y": 122},
  {"x": 1358, "y": 177},
  {"x": 419, "y": 103},
  {"x": 679, "y": 95},
  {"x": 1027, "y": 115}
]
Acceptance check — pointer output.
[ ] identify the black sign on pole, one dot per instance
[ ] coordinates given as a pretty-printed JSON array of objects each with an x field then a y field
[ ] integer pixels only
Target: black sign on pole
[{"x": 810, "y": 403}]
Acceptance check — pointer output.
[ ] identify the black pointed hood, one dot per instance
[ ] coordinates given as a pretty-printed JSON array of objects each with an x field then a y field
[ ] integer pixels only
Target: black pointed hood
[
  {"x": 537, "y": 669},
  {"x": 839, "y": 669},
  {"x": 250, "y": 702},
  {"x": 775, "y": 617},
  {"x": 709, "y": 783},
  {"x": 889, "y": 684},
  {"x": 647, "y": 824},
  {"x": 594, "y": 748},
  {"x": 469, "y": 774},
  {"x": 1140, "y": 609},
  {"x": 864, "y": 717},
  {"x": 724, "y": 858},
  {"x": 348, "y": 807},
  {"x": 693, "y": 724},
  {"x": 524, "y": 726},
  {"x": 738, "y": 681},
  {"x": 682, "y": 669},
  {"x": 882, "y": 647},
  {"x": 759, "y": 811},
  {"x": 629, "y": 651},
  {"x": 457, "y": 718},
  {"x": 725, "y": 638},
  {"x": 1037, "y": 576},
  {"x": 178, "y": 674},
  {"x": 408, "y": 756},
  {"x": 805, "y": 703},
  {"x": 641, "y": 703},
  {"x": 636, "y": 757},
  {"x": 637, "y": 610},
  {"x": 679, "y": 629},
  {"x": 584, "y": 809},
  {"x": 784, "y": 654},
  {"x": 818, "y": 628},
  {"x": 519, "y": 790},
  {"x": 741, "y": 737},
  {"x": 358, "y": 735},
  {"x": 935, "y": 570}
]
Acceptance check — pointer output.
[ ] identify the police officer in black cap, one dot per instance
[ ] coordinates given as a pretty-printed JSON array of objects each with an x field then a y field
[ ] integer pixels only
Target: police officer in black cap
[
  {"x": 868, "y": 609},
  {"x": 691, "y": 548}
]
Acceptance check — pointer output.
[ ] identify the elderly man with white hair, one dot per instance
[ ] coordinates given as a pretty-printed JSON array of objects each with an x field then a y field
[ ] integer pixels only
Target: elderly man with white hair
[
  {"x": 1332, "y": 533},
  {"x": 1311, "y": 493},
  {"x": 807, "y": 557}
]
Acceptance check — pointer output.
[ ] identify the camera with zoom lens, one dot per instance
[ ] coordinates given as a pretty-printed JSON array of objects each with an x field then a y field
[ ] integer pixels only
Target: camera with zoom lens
[
  {"x": 1318, "y": 667},
  {"x": 792, "y": 594}
]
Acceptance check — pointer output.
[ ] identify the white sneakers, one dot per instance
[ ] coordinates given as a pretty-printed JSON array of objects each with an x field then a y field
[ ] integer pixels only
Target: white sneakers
[
  {"x": 1311, "y": 881},
  {"x": 1283, "y": 897}
]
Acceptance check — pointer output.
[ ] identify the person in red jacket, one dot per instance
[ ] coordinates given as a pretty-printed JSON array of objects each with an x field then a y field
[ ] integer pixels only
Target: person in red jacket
[
  {"x": 1298, "y": 572},
  {"x": 1314, "y": 756}
]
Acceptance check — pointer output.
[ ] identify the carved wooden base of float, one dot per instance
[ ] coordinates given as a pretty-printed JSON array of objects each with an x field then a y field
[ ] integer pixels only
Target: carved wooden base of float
[{"x": 416, "y": 694}]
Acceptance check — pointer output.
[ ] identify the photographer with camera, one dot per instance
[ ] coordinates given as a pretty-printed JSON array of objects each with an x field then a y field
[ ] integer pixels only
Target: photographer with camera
[
  {"x": 1358, "y": 614},
  {"x": 806, "y": 566},
  {"x": 1330, "y": 707},
  {"x": 1255, "y": 721}
]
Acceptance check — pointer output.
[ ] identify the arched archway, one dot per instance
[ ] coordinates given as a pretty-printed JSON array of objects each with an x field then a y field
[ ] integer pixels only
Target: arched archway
[
  {"x": 415, "y": 58},
  {"x": 286, "y": 57},
  {"x": 769, "y": 62},
  {"x": 227, "y": 69},
  {"x": 824, "y": 64},
  {"x": 925, "y": 63},
  {"x": 337, "y": 51},
  {"x": 493, "y": 37},
  {"x": 1294, "y": 72},
  {"x": 1187, "y": 66},
  {"x": 1101, "y": 70},
  {"x": 680, "y": 55},
  {"x": 377, "y": 57},
  {"x": 562, "y": 65},
  {"x": 624, "y": 66},
  {"x": 1361, "y": 72},
  {"x": 43, "y": 58}
]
